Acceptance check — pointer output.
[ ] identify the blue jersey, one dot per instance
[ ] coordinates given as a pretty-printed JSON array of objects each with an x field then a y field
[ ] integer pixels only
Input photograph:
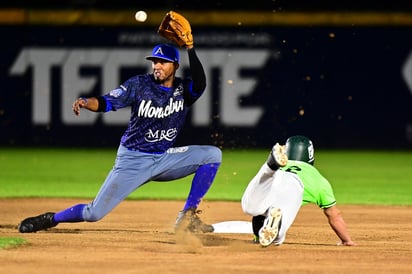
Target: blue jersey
[{"x": 157, "y": 113}]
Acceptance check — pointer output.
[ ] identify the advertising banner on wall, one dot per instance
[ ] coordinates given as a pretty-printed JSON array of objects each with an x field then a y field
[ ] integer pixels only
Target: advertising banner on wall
[{"x": 340, "y": 86}]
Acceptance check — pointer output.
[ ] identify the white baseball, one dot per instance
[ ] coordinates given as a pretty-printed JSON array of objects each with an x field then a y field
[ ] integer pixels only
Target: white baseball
[{"x": 140, "y": 16}]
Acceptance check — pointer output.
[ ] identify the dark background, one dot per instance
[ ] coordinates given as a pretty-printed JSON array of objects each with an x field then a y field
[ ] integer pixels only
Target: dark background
[
  {"x": 278, "y": 5},
  {"x": 355, "y": 98}
]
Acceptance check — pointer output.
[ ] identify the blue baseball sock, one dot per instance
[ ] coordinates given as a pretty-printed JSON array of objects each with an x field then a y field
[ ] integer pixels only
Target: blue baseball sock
[
  {"x": 70, "y": 215},
  {"x": 201, "y": 183}
]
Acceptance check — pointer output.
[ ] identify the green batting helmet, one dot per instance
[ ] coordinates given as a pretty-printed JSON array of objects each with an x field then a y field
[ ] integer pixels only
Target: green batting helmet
[{"x": 300, "y": 148}]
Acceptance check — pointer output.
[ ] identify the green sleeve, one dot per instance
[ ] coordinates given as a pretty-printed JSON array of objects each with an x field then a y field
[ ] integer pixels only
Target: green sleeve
[{"x": 317, "y": 189}]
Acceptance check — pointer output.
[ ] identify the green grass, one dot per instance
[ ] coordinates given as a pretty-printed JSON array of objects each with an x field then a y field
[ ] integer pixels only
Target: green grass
[
  {"x": 10, "y": 242},
  {"x": 358, "y": 177},
  {"x": 369, "y": 177}
]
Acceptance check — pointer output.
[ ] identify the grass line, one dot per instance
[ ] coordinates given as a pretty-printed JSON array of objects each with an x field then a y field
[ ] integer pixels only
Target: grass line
[{"x": 358, "y": 177}]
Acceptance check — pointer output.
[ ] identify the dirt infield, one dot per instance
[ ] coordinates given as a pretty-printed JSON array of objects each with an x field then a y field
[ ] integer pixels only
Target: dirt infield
[{"x": 137, "y": 237}]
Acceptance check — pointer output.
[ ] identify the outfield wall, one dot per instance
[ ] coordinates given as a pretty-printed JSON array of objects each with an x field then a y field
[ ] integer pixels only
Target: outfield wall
[{"x": 343, "y": 79}]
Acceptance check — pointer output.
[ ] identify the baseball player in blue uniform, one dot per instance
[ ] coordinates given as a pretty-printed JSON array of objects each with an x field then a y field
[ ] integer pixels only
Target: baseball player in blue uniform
[
  {"x": 159, "y": 102},
  {"x": 285, "y": 182}
]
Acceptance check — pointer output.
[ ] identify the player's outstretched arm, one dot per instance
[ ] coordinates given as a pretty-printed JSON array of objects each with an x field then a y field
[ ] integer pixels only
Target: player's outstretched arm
[
  {"x": 91, "y": 104},
  {"x": 338, "y": 225}
]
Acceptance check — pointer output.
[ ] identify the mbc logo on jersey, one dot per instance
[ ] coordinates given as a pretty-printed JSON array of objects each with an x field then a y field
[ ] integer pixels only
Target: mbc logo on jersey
[{"x": 159, "y": 135}]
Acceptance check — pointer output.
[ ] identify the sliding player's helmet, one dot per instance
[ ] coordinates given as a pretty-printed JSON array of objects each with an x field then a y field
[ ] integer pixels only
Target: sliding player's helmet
[{"x": 300, "y": 148}]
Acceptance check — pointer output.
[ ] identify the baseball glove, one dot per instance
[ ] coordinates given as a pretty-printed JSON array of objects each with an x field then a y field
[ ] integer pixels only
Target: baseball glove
[{"x": 176, "y": 28}]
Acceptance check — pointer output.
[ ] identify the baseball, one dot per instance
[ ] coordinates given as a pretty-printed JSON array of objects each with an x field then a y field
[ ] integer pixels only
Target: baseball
[{"x": 140, "y": 16}]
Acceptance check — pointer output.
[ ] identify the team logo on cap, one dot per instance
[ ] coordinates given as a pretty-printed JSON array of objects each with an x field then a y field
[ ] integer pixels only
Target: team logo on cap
[{"x": 159, "y": 51}]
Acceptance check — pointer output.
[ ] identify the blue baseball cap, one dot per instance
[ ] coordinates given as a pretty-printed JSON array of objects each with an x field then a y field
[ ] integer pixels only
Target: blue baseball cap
[{"x": 165, "y": 52}]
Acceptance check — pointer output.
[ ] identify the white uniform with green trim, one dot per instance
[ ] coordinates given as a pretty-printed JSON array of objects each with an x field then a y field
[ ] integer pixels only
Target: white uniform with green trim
[{"x": 290, "y": 187}]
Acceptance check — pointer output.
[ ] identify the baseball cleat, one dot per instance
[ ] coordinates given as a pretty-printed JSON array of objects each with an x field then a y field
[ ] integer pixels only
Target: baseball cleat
[
  {"x": 270, "y": 229},
  {"x": 33, "y": 224},
  {"x": 277, "y": 157},
  {"x": 187, "y": 220}
]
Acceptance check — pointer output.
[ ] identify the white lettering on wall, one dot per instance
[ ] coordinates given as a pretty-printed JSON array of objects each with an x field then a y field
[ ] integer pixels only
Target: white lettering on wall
[
  {"x": 73, "y": 85},
  {"x": 233, "y": 87},
  {"x": 111, "y": 61},
  {"x": 41, "y": 60}
]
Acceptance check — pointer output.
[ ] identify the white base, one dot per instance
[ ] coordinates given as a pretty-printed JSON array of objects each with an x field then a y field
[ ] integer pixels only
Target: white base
[{"x": 233, "y": 227}]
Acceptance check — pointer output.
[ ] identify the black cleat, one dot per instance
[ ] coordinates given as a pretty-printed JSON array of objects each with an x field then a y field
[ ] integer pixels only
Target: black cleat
[{"x": 33, "y": 224}]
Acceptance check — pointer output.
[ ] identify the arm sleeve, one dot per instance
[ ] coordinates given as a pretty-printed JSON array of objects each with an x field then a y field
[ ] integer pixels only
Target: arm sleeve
[
  {"x": 103, "y": 106},
  {"x": 197, "y": 71}
]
